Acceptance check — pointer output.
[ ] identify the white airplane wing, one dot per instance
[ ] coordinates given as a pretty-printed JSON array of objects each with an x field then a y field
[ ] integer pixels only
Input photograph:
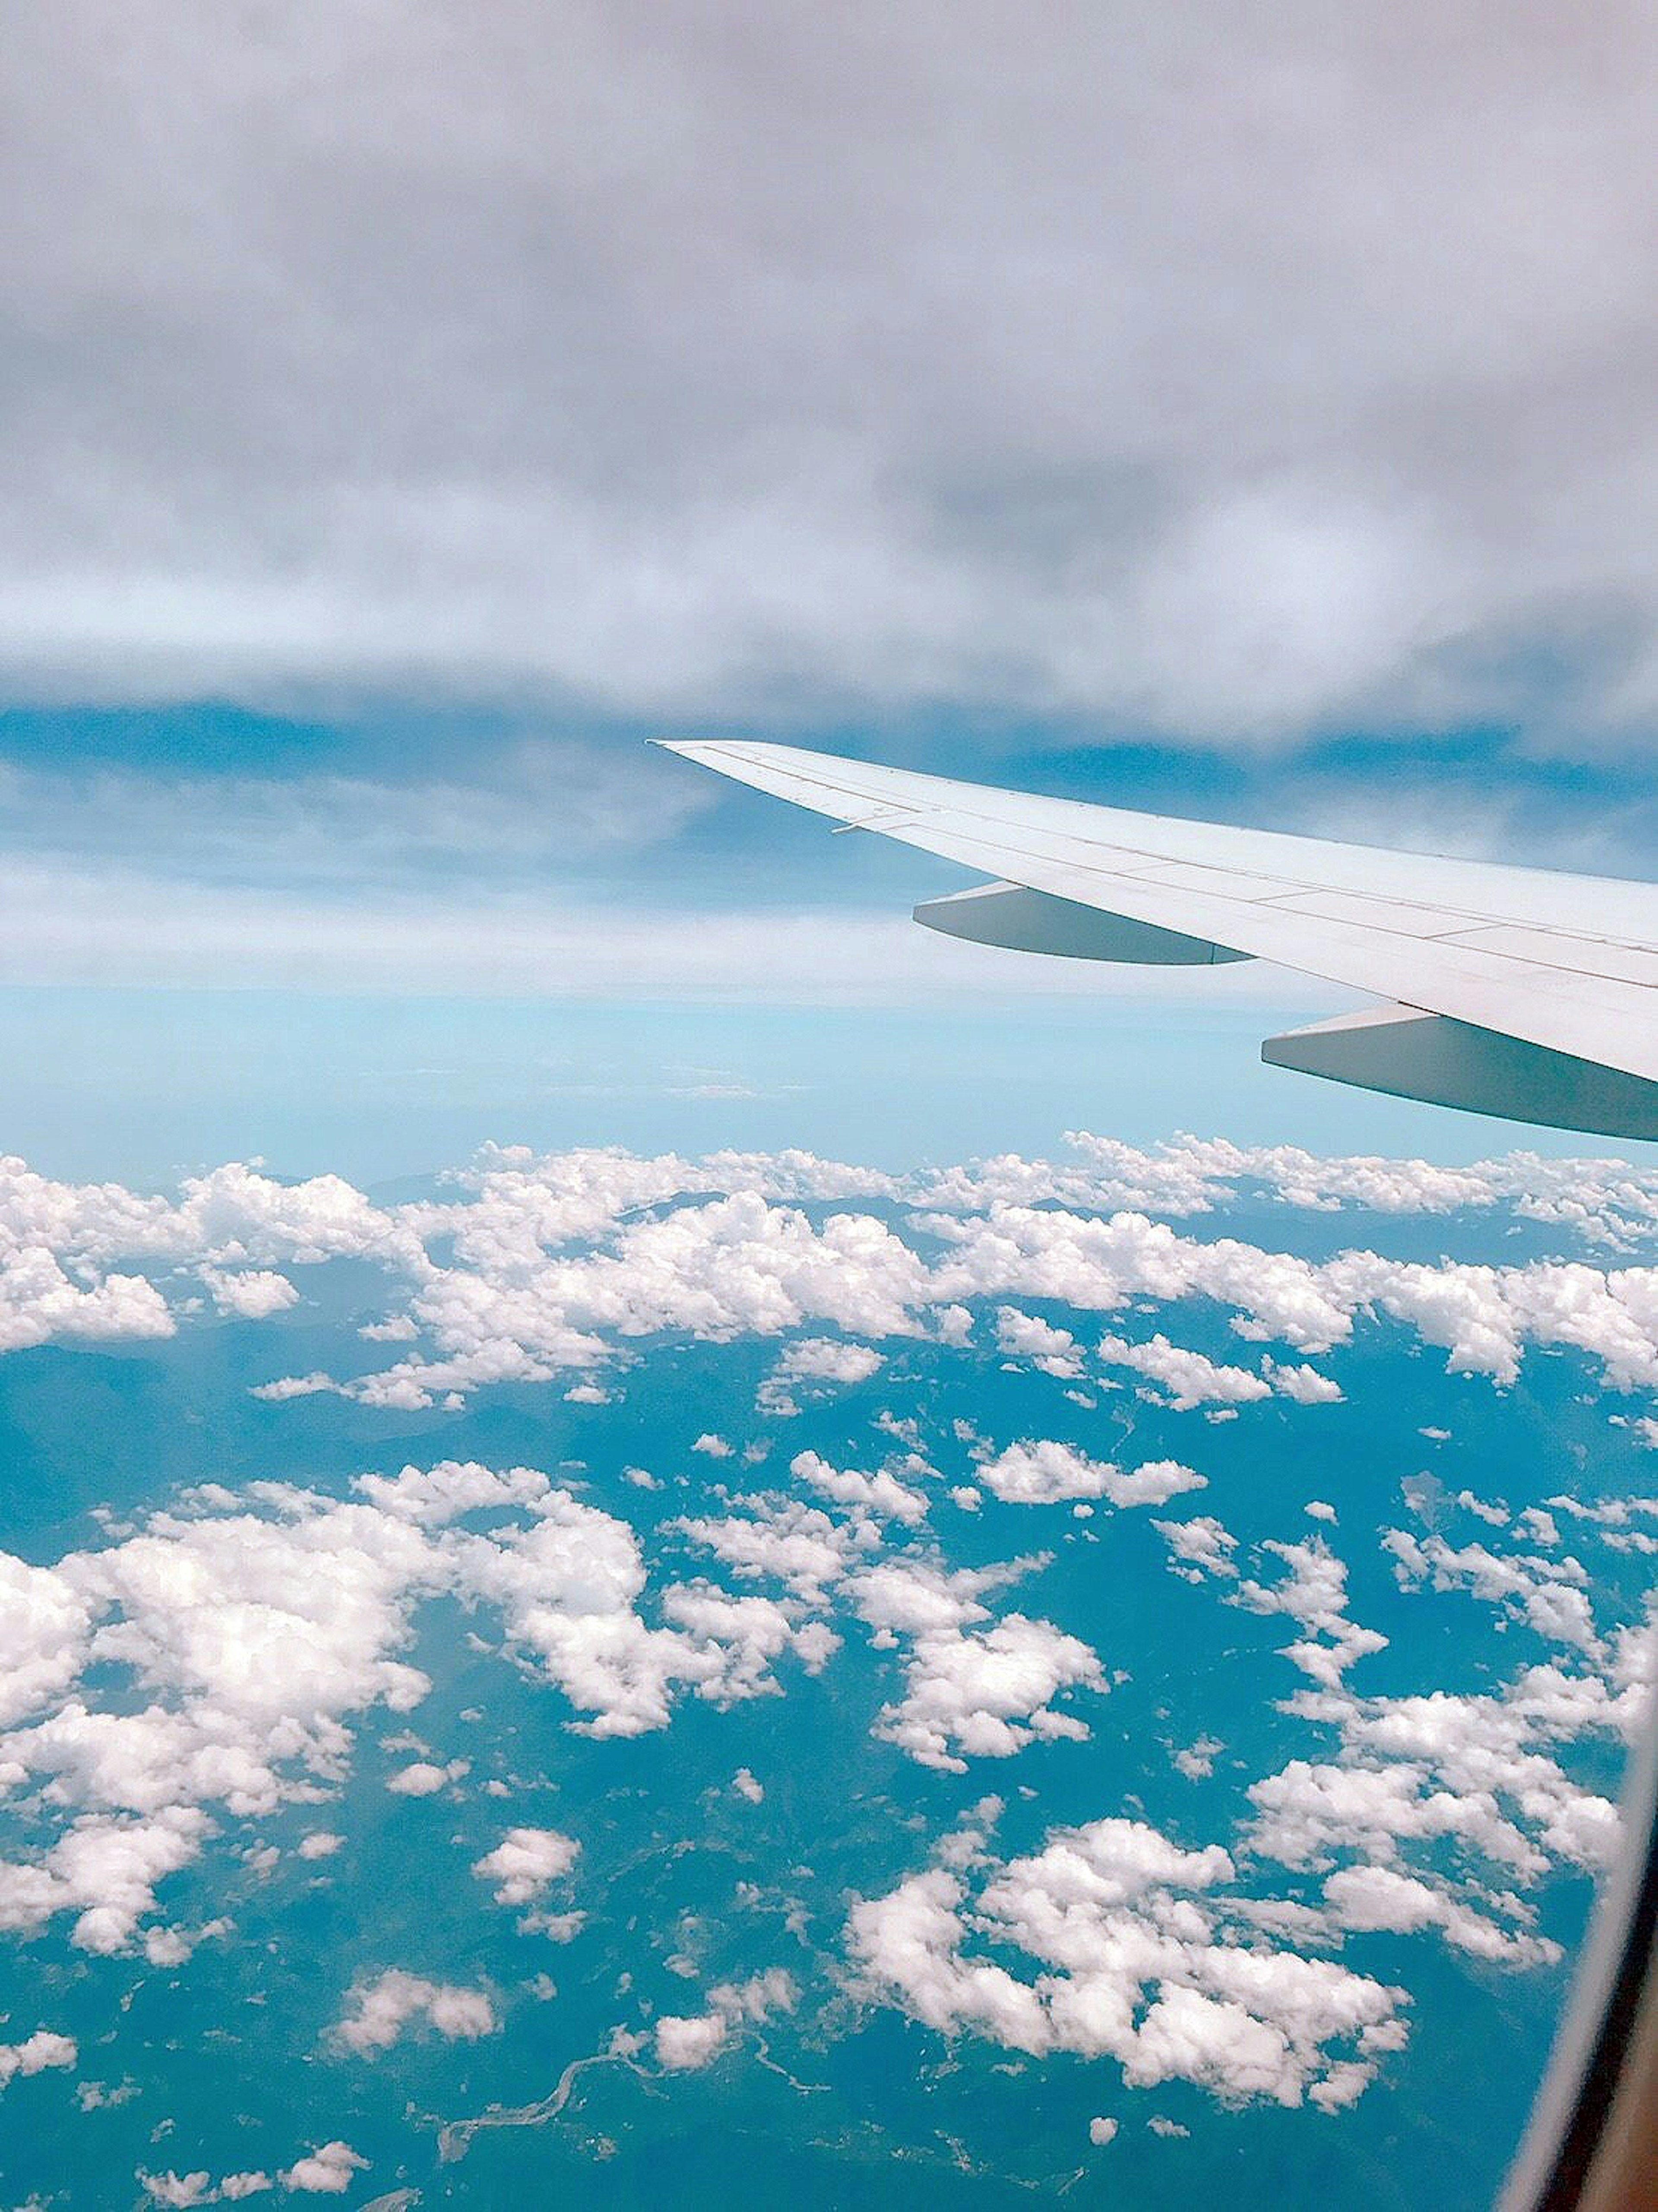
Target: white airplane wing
[{"x": 1509, "y": 991}]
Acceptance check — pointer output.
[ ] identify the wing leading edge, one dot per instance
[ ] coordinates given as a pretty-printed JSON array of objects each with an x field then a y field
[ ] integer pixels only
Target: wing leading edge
[{"x": 1511, "y": 991}]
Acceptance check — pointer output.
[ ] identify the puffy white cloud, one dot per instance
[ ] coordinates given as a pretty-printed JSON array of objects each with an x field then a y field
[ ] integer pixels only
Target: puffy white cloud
[
  {"x": 40, "y": 1301},
  {"x": 200, "y": 2188},
  {"x": 1187, "y": 1379},
  {"x": 542, "y": 1264},
  {"x": 686, "y": 2043},
  {"x": 379, "y": 2011},
  {"x": 1368, "y": 1898},
  {"x": 1102, "y": 1265},
  {"x": 1131, "y": 1960},
  {"x": 44, "y": 1624},
  {"x": 972, "y": 1690},
  {"x": 881, "y": 1494},
  {"x": 36, "y": 2054},
  {"x": 420, "y": 1779},
  {"x": 810, "y": 1364},
  {"x": 242, "y": 1646},
  {"x": 1303, "y": 1384},
  {"x": 178, "y": 2189},
  {"x": 1548, "y": 1595},
  {"x": 250, "y": 1294},
  {"x": 1199, "y": 1546},
  {"x": 1315, "y": 1593},
  {"x": 526, "y": 1862},
  {"x": 326, "y": 2172},
  {"x": 796, "y": 1544},
  {"x": 1047, "y": 1472},
  {"x": 1427, "y": 1795},
  {"x": 1026, "y": 1336}
]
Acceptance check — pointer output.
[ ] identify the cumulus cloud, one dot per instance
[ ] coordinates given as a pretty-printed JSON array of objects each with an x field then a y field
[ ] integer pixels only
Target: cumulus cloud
[
  {"x": 1199, "y": 1546},
  {"x": 687, "y": 2043},
  {"x": 418, "y": 1779},
  {"x": 1047, "y": 1473},
  {"x": 1027, "y": 1336},
  {"x": 1186, "y": 1378},
  {"x": 545, "y": 1265},
  {"x": 975, "y": 1687},
  {"x": 380, "y": 2010},
  {"x": 250, "y": 1294},
  {"x": 526, "y": 1862},
  {"x": 44, "y": 2051},
  {"x": 1314, "y": 1593},
  {"x": 881, "y": 1494},
  {"x": 200, "y": 2188},
  {"x": 1130, "y": 1956},
  {"x": 326, "y": 2172},
  {"x": 235, "y": 1650},
  {"x": 811, "y": 1365}
]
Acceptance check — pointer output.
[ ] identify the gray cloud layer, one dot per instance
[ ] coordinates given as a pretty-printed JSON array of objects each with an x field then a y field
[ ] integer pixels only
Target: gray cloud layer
[{"x": 1226, "y": 371}]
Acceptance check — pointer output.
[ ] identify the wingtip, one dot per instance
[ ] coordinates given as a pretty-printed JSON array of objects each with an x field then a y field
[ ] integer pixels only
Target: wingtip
[{"x": 692, "y": 749}]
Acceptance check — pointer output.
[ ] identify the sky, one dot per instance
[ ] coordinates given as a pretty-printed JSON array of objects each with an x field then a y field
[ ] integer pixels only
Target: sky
[{"x": 411, "y": 411}]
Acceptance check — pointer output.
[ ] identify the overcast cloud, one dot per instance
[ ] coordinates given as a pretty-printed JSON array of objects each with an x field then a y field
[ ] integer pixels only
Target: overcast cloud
[{"x": 1226, "y": 373}]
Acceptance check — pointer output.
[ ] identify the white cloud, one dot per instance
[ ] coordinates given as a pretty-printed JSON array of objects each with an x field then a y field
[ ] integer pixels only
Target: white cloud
[
  {"x": 420, "y": 1780},
  {"x": 1548, "y": 1595},
  {"x": 972, "y": 1691},
  {"x": 380, "y": 2010},
  {"x": 540, "y": 1266},
  {"x": 1187, "y": 1379},
  {"x": 242, "y": 1646},
  {"x": 526, "y": 1862},
  {"x": 1047, "y": 1472},
  {"x": 881, "y": 1494},
  {"x": 250, "y": 1294},
  {"x": 806, "y": 1367},
  {"x": 39, "y": 2053},
  {"x": 178, "y": 2189},
  {"x": 1315, "y": 1593},
  {"x": 1026, "y": 1336},
  {"x": 1125, "y": 1932},
  {"x": 684, "y": 2044},
  {"x": 326, "y": 2172},
  {"x": 1199, "y": 1547}
]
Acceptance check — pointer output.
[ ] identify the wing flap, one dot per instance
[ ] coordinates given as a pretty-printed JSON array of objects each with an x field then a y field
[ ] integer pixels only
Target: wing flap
[{"x": 1410, "y": 1054}]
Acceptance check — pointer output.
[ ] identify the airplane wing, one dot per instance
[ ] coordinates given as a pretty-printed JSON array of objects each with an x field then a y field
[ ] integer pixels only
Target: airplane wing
[{"x": 1511, "y": 991}]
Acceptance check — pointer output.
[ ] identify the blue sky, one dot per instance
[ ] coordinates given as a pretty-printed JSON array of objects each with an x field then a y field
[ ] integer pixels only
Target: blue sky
[
  {"x": 374, "y": 940},
  {"x": 1244, "y": 418}
]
